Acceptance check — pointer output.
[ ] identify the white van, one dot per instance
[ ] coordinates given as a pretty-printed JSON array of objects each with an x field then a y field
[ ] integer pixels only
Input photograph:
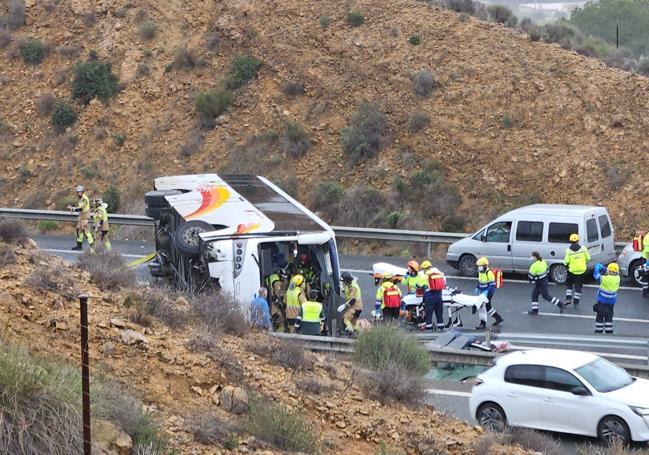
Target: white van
[
  {"x": 230, "y": 232},
  {"x": 509, "y": 240}
]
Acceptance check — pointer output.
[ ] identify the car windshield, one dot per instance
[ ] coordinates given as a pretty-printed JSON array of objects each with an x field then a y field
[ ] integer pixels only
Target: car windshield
[{"x": 604, "y": 376}]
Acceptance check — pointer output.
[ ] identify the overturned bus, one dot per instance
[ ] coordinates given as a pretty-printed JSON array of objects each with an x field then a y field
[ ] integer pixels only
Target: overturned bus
[{"x": 232, "y": 232}]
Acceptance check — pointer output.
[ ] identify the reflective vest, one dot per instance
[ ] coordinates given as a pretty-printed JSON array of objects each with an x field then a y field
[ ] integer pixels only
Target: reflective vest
[
  {"x": 311, "y": 312},
  {"x": 538, "y": 270},
  {"x": 389, "y": 295},
  {"x": 83, "y": 207},
  {"x": 411, "y": 283},
  {"x": 422, "y": 281},
  {"x": 608, "y": 287},
  {"x": 577, "y": 261},
  {"x": 486, "y": 280},
  {"x": 293, "y": 304},
  {"x": 100, "y": 218},
  {"x": 270, "y": 279},
  {"x": 353, "y": 291},
  {"x": 645, "y": 246}
]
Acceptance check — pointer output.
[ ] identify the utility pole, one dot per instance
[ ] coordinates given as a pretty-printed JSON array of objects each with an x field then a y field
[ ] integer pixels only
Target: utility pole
[
  {"x": 617, "y": 34},
  {"x": 85, "y": 374}
]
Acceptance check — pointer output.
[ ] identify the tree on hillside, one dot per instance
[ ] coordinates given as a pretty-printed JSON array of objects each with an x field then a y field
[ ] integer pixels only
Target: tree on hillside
[{"x": 599, "y": 19}]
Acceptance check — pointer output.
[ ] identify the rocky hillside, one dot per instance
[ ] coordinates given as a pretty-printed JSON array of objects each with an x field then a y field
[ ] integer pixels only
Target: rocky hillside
[
  {"x": 198, "y": 386},
  {"x": 510, "y": 120}
]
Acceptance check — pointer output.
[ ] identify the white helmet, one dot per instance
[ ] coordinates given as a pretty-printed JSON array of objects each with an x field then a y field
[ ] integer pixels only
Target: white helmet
[{"x": 80, "y": 189}]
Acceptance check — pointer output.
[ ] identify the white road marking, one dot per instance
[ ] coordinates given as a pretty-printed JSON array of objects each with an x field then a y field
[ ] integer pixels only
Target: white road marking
[
  {"x": 507, "y": 280},
  {"x": 452, "y": 393},
  {"x": 585, "y": 316},
  {"x": 53, "y": 250}
]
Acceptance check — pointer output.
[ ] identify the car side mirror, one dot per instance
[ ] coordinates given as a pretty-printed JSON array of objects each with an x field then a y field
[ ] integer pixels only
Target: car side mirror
[
  {"x": 580, "y": 391},
  {"x": 483, "y": 237}
]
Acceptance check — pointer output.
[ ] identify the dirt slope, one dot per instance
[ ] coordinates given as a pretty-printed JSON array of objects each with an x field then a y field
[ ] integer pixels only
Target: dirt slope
[
  {"x": 175, "y": 383},
  {"x": 577, "y": 133}
]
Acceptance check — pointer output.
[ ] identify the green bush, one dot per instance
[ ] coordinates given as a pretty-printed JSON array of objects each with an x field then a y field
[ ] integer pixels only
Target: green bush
[
  {"x": 355, "y": 18},
  {"x": 211, "y": 104},
  {"x": 500, "y": 14},
  {"x": 418, "y": 121},
  {"x": 45, "y": 226},
  {"x": 363, "y": 206},
  {"x": 414, "y": 40},
  {"x": 295, "y": 141},
  {"x": 325, "y": 21},
  {"x": 461, "y": 6},
  {"x": 423, "y": 83},
  {"x": 387, "y": 345},
  {"x": 242, "y": 69},
  {"x": 63, "y": 116},
  {"x": 32, "y": 51},
  {"x": 367, "y": 133},
  {"x": 506, "y": 121},
  {"x": 281, "y": 427},
  {"x": 561, "y": 32},
  {"x": 111, "y": 197},
  {"x": 326, "y": 198},
  {"x": 147, "y": 30},
  {"x": 94, "y": 79}
]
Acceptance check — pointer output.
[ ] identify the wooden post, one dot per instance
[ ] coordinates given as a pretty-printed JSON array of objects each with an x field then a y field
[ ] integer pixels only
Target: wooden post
[{"x": 85, "y": 374}]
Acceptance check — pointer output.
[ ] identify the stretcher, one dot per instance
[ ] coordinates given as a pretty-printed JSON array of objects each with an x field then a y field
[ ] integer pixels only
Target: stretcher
[{"x": 455, "y": 303}]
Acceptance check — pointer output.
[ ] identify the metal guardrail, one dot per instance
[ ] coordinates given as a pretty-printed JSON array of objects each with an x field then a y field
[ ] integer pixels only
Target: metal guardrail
[{"x": 394, "y": 235}]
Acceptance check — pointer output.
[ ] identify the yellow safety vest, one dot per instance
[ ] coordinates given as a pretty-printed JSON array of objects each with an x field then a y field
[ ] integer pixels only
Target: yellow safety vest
[
  {"x": 311, "y": 311},
  {"x": 101, "y": 215},
  {"x": 84, "y": 205},
  {"x": 293, "y": 304},
  {"x": 353, "y": 291},
  {"x": 645, "y": 246},
  {"x": 577, "y": 261}
]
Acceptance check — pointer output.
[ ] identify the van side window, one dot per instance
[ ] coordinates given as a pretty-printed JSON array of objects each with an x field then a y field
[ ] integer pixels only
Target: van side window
[
  {"x": 605, "y": 226},
  {"x": 499, "y": 232},
  {"x": 529, "y": 231},
  {"x": 560, "y": 232},
  {"x": 530, "y": 375},
  {"x": 591, "y": 230}
]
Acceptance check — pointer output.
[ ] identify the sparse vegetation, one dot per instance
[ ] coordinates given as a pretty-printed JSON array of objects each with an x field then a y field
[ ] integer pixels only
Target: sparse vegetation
[
  {"x": 147, "y": 30},
  {"x": 355, "y": 18},
  {"x": 107, "y": 270},
  {"x": 143, "y": 69},
  {"x": 294, "y": 142},
  {"x": 192, "y": 145},
  {"x": 211, "y": 104},
  {"x": 418, "y": 121},
  {"x": 119, "y": 139},
  {"x": 617, "y": 174},
  {"x": 7, "y": 256},
  {"x": 111, "y": 198},
  {"x": 325, "y": 22},
  {"x": 16, "y": 13},
  {"x": 212, "y": 42},
  {"x": 220, "y": 313},
  {"x": 423, "y": 83},
  {"x": 500, "y": 14},
  {"x": 45, "y": 103},
  {"x": 243, "y": 69},
  {"x": 12, "y": 231},
  {"x": 292, "y": 88},
  {"x": 185, "y": 59},
  {"x": 534, "y": 440},
  {"x": 415, "y": 40},
  {"x": 49, "y": 279},
  {"x": 326, "y": 198},
  {"x": 63, "y": 116},
  {"x": 94, "y": 79},
  {"x": 281, "y": 427},
  {"x": 45, "y": 226},
  {"x": 158, "y": 303},
  {"x": 506, "y": 121},
  {"x": 367, "y": 133},
  {"x": 5, "y": 38},
  {"x": 32, "y": 51},
  {"x": 209, "y": 429},
  {"x": 313, "y": 385}
]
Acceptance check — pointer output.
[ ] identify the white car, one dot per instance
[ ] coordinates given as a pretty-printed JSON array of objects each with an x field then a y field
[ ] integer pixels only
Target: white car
[{"x": 563, "y": 391}]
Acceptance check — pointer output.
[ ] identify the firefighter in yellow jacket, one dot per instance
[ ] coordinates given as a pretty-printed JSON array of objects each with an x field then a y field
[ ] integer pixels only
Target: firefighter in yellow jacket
[
  {"x": 100, "y": 222},
  {"x": 576, "y": 260},
  {"x": 388, "y": 299},
  {"x": 645, "y": 269},
  {"x": 353, "y": 305},
  {"x": 293, "y": 300},
  {"x": 83, "y": 221}
]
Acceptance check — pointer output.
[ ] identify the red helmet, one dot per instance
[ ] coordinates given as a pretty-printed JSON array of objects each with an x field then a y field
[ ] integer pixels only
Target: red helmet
[{"x": 304, "y": 258}]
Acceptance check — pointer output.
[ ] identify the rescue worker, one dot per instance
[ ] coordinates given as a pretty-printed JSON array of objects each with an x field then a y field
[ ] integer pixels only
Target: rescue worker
[
  {"x": 100, "y": 222},
  {"x": 277, "y": 284},
  {"x": 304, "y": 268},
  {"x": 310, "y": 319},
  {"x": 293, "y": 301},
  {"x": 433, "y": 302},
  {"x": 259, "y": 312},
  {"x": 609, "y": 283},
  {"x": 538, "y": 274},
  {"x": 353, "y": 302},
  {"x": 83, "y": 210},
  {"x": 412, "y": 279},
  {"x": 487, "y": 286},
  {"x": 645, "y": 256},
  {"x": 388, "y": 299},
  {"x": 576, "y": 259}
]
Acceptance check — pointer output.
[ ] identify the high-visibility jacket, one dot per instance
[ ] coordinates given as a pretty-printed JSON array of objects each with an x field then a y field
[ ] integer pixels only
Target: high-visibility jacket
[
  {"x": 100, "y": 218},
  {"x": 353, "y": 291},
  {"x": 538, "y": 270},
  {"x": 487, "y": 282},
  {"x": 645, "y": 246},
  {"x": 411, "y": 283},
  {"x": 293, "y": 301},
  {"x": 577, "y": 261},
  {"x": 388, "y": 295},
  {"x": 83, "y": 208},
  {"x": 310, "y": 317},
  {"x": 608, "y": 287},
  {"x": 422, "y": 280}
]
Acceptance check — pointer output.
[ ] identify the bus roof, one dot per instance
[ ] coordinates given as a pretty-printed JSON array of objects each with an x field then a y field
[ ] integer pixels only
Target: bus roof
[{"x": 239, "y": 204}]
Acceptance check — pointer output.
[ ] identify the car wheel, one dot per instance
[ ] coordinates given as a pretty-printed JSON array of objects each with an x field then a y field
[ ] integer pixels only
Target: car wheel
[
  {"x": 636, "y": 272},
  {"x": 558, "y": 273},
  {"x": 492, "y": 417},
  {"x": 612, "y": 430},
  {"x": 186, "y": 236},
  {"x": 156, "y": 198},
  {"x": 466, "y": 265}
]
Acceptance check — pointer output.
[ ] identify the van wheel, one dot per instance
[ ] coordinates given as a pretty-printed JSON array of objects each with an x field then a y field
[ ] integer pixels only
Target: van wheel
[
  {"x": 466, "y": 265},
  {"x": 492, "y": 417},
  {"x": 613, "y": 430},
  {"x": 558, "y": 273},
  {"x": 187, "y": 237},
  {"x": 636, "y": 273}
]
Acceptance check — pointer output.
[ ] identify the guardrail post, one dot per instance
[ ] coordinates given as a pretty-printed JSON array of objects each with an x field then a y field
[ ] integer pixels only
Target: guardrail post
[{"x": 429, "y": 250}]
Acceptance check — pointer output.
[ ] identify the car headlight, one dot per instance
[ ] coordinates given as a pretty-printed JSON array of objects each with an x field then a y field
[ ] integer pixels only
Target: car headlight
[{"x": 642, "y": 412}]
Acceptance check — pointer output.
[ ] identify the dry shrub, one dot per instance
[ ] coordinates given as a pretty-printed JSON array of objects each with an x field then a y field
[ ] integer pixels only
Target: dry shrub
[
  {"x": 295, "y": 141},
  {"x": 418, "y": 121},
  {"x": 367, "y": 133},
  {"x": 161, "y": 304},
  {"x": 202, "y": 340},
  {"x": 185, "y": 58},
  {"x": 423, "y": 83},
  {"x": 220, "y": 313},
  {"x": 71, "y": 52},
  {"x": 618, "y": 448},
  {"x": 326, "y": 198},
  {"x": 313, "y": 385},
  {"x": 291, "y": 355},
  {"x": 486, "y": 444},
  {"x": 291, "y": 88},
  {"x": 393, "y": 383},
  {"x": 5, "y": 38},
  {"x": 283, "y": 428},
  {"x": 45, "y": 103},
  {"x": 7, "y": 256},
  {"x": 49, "y": 279},
  {"x": 254, "y": 156},
  {"x": 12, "y": 231},
  {"x": 16, "y": 13},
  {"x": 192, "y": 145},
  {"x": 209, "y": 429},
  {"x": 107, "y": 270},
  {"x": 147, "y": 30},
  {"x": 534, "y": 441}
]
